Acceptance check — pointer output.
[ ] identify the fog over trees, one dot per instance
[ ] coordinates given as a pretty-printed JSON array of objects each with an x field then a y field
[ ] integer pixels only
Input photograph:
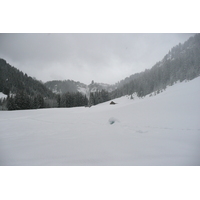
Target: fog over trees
[{"x": 181, "y": 63}]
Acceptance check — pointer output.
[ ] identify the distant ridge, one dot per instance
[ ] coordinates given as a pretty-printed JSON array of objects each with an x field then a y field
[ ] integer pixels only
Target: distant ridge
[{"x": 61, "y": 87}]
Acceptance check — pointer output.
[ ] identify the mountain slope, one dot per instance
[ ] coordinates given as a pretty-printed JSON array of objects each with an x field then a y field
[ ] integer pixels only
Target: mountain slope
[
  {"x": 12, "y": 81},
  {"x": 181, "y": 63},
  {"x": 61, "y": 87},
  {"x": 158, "y": 130},
  {"x": 23, "y": 91}
]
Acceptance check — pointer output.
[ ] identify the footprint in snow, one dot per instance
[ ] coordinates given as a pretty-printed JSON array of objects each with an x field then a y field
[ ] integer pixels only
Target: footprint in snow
[{"x": 140, "y": 131}]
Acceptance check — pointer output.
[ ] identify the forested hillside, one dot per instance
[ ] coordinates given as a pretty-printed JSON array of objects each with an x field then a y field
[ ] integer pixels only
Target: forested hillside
[
  {"x": 181, "y": 63},
  {"x": 61, "y": 87},
  {"x": 12, "y": 81},
  {"x": 24, "y": 92}
]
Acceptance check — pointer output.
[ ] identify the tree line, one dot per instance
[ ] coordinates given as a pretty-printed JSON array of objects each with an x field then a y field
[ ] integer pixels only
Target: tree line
[
  {"x": 22, "y": 101},
  {"x": 71, "y": 100},
  {"x": 98, "y": 97}
]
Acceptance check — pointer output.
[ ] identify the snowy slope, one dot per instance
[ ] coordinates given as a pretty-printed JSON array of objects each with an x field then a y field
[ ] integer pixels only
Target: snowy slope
[
  {"x": 158, "y": 130},
  {"x": 2, "y": 95}
]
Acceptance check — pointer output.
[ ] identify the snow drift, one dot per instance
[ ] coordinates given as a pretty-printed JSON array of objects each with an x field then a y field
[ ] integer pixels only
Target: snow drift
[{"x": 157, "y": 130}]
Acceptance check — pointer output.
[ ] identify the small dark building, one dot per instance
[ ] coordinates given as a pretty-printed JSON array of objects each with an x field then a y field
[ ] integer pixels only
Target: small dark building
[{"x": 112, "y": 103}]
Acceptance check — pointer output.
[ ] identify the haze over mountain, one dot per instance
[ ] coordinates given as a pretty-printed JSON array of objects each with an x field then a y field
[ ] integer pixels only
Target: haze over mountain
[
  {"x": 181, "y": 62},
  {"x": 60, "y": 87}
]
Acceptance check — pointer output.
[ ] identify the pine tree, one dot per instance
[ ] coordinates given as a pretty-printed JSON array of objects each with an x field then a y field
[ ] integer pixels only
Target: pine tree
[{"x": 59, "y": 100}]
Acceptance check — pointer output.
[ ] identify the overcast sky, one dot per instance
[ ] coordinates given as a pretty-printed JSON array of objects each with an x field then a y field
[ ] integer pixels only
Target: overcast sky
[{"x": 105, "y": 58}]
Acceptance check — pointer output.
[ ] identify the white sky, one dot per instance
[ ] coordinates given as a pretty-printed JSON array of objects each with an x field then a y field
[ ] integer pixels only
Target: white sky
[
  {"x": 106, "y": 58},
  {"x": 108, "y": 45}
]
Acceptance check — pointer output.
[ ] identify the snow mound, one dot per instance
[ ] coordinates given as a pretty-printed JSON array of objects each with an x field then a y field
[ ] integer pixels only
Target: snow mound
[{"x": 112, "y": 120}]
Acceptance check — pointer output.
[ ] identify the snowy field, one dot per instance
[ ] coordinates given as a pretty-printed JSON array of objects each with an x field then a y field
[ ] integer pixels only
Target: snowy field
[{"x": 158, "y": 130}]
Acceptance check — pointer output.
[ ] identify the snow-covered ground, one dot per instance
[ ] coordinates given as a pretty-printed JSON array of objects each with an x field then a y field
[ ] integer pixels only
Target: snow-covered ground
[{"x": 158, "y": 130}]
